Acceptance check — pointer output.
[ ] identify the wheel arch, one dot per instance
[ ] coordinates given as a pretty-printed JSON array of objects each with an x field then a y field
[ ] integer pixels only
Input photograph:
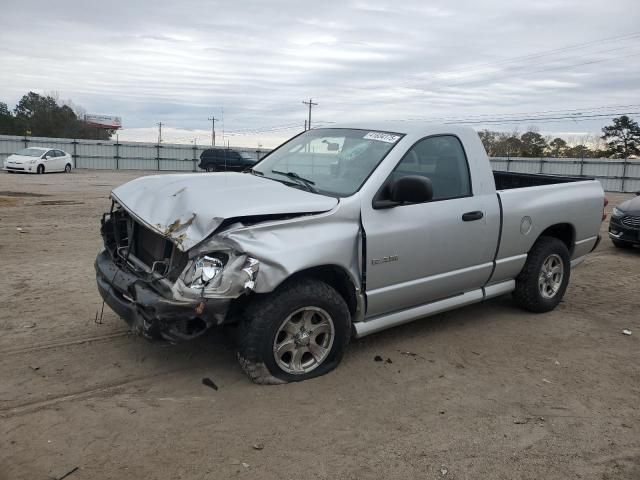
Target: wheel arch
[
  {"x": 565, "y": 232},
  {"x": 335, "y": 276}
]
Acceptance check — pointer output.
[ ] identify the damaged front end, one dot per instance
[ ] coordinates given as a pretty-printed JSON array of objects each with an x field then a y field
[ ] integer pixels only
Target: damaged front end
[{"x": 161, "y": 291}]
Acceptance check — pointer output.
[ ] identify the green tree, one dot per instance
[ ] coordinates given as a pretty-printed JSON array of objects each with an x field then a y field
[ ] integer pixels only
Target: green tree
[
  {"x": 623, "y": 137},
  {"x": 42, "y": 116},
  {"x": 533, "y": 144},
  {"x": 7, "y": 121},
  {"x": 579, "y": 151},
  {"x": 557, "y": 148},
  {"x": 489, "y": 140},
  {"x": 501, "y": 144}
]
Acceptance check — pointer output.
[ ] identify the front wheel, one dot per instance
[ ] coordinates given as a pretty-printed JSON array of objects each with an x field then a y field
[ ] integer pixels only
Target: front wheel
[
  {"x": 545, "y": 276},
  {"x": 298, "y": 332},
  {"x": 211, "y": 168},
  {"x": 40, "y": 169}
]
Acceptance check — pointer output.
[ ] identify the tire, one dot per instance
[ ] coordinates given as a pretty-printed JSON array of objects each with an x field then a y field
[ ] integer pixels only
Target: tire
[
  {"x": 211, "y": 168},
  {"x": 67, "y": 168},
  {"x": 298, "y": 318},
  {"x": 40, "y": 169},
  {"x": 621, "y": 244},
  {"x": 537, "y": 288}
]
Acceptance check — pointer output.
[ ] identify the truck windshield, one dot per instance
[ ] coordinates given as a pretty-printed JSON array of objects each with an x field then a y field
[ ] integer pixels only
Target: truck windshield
[{"x": 330, "y": 161}]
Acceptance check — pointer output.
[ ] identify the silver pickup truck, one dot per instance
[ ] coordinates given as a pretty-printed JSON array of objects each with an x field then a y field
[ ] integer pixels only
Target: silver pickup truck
[{"x": 339, "y": 233}]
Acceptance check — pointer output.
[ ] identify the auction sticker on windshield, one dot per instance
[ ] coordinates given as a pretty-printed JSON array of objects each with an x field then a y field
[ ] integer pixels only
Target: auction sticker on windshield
[{"x": 382, "y": 137}]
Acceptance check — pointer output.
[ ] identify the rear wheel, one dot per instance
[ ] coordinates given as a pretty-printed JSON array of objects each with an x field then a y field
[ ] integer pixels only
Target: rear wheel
[
  {"x": 545, "y": 276},
  {"x": 67, "y": 168},
  {"x": 40, "y": 169},
  {"x": 298, "y": 332},
  {"x": 621, "y": 244}
]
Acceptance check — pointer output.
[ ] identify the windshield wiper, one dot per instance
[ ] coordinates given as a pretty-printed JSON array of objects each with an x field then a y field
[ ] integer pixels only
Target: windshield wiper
[{"x": 306, "y": 182}]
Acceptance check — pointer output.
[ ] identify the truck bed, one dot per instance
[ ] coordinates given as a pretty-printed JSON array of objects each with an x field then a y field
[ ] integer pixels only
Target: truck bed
[{"x": 509, "y": 180}]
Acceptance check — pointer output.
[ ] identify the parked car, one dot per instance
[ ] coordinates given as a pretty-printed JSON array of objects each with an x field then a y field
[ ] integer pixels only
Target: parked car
[
  {"x": 226, "y": 159},
  {"x": 624, "y": 226},
  {"x": 339, "y": 232},
  {"x": 38, "y": 160}
]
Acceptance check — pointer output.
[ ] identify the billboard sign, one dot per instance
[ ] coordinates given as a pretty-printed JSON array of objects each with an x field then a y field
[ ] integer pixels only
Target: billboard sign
[{"x": 103, "y": 121}]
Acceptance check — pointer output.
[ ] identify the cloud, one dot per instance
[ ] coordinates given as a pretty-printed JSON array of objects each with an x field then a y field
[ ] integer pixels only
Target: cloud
[{"x": 180, "y": 63}]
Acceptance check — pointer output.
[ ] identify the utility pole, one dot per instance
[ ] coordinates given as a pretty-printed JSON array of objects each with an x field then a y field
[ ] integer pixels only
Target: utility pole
[
  {"x": 159, "y": 132},
  {"x": 311, "y": 104},
  {"x": 222, "y": 120},
  {"x": 213, "y": 130}
]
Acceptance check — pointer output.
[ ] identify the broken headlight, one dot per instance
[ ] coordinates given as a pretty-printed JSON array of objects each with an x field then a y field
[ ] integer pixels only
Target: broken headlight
[
  {"x": 218, "y": 274},
  {"x": 204, "y": 270}
]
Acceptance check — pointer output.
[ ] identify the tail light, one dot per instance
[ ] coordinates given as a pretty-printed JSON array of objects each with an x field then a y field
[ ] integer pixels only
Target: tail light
[{"x": 604, "y": 209}]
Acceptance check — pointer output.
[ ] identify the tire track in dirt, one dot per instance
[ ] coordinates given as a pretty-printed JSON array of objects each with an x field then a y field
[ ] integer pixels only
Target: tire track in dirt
[
  {"x": 77, "y": 341},
  {"x": 105, "y": 388}
]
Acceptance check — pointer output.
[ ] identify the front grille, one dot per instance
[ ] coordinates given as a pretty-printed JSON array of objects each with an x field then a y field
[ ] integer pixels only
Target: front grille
[
  {"x": 123, "y": 235},
  {"x": 150, "y": 247},
  {"x": 631, "y": 221}
]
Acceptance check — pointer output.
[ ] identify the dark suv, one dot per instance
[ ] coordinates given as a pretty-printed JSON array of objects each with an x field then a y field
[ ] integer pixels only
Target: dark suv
[
  {"x": 226, "y": 159},
  {"x": 624, "y": 228}
]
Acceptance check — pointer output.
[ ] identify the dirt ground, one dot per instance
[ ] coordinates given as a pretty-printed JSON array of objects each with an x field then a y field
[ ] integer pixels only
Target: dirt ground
[{"x": 488, "y": 391}]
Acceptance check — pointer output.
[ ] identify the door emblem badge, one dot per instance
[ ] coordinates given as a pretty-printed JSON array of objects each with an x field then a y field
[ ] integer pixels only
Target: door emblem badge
[{"x": 390, "y": 258}]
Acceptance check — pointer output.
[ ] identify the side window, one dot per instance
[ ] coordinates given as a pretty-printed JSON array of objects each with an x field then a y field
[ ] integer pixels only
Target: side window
[
  {"x": 50, "y": 154},
  {"x": 59, "y": 153},
  {"x": 442, "y": 160}
]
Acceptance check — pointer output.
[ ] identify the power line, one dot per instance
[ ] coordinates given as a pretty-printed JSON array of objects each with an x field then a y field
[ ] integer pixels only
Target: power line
[
  {"x": 281, "y": 128},
  {"x": 544, "y": 53},
  {"x": 576, "y": 117},
  {"x": 515, "y": 115},
  {"x": 561, "y": 67}
]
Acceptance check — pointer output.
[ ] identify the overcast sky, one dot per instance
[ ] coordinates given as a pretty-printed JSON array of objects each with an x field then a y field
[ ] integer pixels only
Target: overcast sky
[{"x": 181, "y": 62}]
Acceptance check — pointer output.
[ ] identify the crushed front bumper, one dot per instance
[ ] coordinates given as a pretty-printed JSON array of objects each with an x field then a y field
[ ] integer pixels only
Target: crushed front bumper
[{"x": 149, "y": 311}]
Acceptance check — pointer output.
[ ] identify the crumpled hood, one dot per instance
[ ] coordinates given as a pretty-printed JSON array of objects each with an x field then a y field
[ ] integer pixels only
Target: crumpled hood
[
  {"x": 631, "y": 206},
  {"x": 189, "y": 207}
]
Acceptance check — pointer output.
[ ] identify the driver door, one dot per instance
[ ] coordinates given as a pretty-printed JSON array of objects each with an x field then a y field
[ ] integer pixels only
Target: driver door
[{"x": 424, "y": 252}]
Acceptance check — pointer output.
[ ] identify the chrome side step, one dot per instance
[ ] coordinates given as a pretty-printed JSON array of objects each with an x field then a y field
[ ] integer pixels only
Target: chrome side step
[{"x": 382, "y": 322}]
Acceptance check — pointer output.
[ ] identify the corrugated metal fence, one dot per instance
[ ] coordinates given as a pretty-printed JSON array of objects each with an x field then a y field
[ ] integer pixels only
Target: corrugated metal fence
[
  {"x": 108, "y": 155},
  {"x": 615, "y": 175}
]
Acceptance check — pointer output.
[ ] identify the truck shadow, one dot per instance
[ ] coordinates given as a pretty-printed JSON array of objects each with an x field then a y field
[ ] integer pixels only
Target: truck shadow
[{"x": 213, "y": 354}]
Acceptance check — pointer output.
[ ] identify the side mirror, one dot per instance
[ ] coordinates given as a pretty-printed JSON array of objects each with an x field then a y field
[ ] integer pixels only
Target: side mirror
[{"x": 409, "y": 189}]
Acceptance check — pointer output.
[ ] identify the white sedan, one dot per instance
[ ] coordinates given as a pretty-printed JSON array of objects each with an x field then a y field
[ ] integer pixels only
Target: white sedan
[{"x": 38, "y": 160}]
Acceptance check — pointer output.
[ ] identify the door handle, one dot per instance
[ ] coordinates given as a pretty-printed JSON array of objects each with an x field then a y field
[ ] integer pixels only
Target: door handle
[{"x": 471, "y": 216}]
